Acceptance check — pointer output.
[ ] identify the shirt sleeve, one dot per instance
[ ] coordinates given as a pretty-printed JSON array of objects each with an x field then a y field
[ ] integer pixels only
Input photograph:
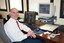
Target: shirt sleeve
[{"x": 24, "y": 27}]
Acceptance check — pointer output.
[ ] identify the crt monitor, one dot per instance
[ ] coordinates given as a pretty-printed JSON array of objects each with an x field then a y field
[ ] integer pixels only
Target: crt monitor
[
  {"x": 46, "y": 9},
  {"x": 30, "y": 17}
]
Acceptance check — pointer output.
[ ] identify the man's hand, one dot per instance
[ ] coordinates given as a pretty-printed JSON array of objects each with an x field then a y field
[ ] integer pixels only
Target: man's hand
[{"x": 31, "y": 33}]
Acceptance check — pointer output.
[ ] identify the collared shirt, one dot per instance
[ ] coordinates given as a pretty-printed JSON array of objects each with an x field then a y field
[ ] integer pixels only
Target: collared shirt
[{"x": 13, "y": 32}]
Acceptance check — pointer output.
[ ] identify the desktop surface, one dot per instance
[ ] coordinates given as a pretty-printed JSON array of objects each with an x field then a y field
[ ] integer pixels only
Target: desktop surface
[{"x": 57, "y": 39}]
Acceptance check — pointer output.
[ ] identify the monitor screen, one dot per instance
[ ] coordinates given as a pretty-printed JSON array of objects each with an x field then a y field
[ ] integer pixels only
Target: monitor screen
[{"x": 46, "y": 9}]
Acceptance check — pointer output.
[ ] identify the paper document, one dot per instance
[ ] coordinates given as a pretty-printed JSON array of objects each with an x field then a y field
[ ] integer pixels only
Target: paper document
[{"x": 48, "y": 27}]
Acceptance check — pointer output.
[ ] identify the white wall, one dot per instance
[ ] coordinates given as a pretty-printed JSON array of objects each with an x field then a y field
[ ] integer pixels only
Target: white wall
[
  {"x": 34, "y": 5},
  {"x": 56, "y": 3}
]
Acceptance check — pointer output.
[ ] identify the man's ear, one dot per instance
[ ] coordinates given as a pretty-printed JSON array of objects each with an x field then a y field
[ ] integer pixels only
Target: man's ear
[{"x": 9, "y": 13}]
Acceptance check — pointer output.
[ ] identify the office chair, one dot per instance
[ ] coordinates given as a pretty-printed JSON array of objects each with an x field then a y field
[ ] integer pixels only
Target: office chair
[
  {"x": 1, "y": 17},
  {"x": 3, "y": 35},
  {"x": 30, "y": 19},
  {"x": 8, "y": 17}
]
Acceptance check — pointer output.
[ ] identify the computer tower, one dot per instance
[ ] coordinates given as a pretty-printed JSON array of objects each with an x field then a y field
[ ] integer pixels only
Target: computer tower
[{"x": 30, "y": 17}]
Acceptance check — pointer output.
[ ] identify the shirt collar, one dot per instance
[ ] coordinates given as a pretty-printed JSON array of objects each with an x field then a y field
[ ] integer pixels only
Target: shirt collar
[{"x": 13, "y": 19}]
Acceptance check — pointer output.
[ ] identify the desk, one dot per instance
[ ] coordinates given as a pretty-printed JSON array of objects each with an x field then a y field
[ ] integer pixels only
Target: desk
[{"x": 57, "y": 39}]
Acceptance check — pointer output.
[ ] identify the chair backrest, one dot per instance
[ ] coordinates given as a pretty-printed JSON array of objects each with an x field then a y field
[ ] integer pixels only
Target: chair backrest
[
  {"x": 8, "y": 17},
  {"x": 30, "y": 17},
  {"x": 1, "y": 17},
  {"x": 3, "y": 35}
]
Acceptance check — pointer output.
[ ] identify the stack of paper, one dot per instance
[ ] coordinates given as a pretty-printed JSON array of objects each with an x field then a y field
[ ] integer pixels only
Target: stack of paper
[{"x": 48, "y": 27}]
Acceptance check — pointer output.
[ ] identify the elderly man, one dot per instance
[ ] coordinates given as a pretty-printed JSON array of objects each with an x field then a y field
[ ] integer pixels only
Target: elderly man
[{"x": 13, "y": 28}]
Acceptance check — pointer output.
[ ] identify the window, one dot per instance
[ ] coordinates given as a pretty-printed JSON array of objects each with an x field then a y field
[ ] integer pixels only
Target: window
[
  {"x": 16, "y": 4},
  {"x": 3, "y": 5},
  {"x": 62, "y": 9}
]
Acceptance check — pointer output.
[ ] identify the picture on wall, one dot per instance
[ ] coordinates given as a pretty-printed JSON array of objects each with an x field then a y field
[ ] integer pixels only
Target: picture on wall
[{"x": 3, "y": 5}]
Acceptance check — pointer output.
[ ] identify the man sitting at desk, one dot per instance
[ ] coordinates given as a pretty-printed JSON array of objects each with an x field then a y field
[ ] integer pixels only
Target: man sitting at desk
[{"x": 13, "y": 29}]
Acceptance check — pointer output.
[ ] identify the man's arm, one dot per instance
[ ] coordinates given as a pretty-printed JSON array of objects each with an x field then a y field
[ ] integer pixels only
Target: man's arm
[
  {"x": 24, "y": 27},
  {"x": 31, "y": 33},
  {"x": 28, "y": 30}
]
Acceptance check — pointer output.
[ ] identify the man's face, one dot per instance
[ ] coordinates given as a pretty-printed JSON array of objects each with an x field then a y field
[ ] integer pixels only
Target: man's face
[{"x": 14, "y": 13}]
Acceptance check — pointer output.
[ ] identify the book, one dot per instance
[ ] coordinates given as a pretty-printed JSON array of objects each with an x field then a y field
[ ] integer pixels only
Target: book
[
  {"x": 49, "y": 27},
  {"x": 38, "y": 31}
]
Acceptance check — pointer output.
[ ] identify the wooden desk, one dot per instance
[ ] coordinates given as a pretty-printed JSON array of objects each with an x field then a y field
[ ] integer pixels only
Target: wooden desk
[
  {"x": 57, "y": 39},
  {"x": 38, "y": 24}
]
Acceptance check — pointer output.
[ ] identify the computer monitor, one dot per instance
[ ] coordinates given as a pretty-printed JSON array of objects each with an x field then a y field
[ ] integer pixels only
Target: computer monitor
[
  {"x": 30, "y": 17},
  {"x": 46, "y": 9}
]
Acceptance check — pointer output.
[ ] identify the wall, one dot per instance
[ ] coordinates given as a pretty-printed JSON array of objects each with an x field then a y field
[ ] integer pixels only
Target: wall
[
  {"x": 34, "y": 6},
  {"x": 57, "y": 12}
]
